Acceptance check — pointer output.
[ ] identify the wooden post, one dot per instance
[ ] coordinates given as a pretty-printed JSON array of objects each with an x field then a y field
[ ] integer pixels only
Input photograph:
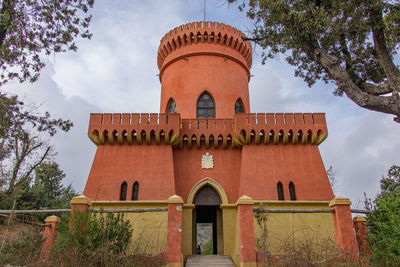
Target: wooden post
[
  {"x": 246, "y": 231},
  {"x": 174, "y": 234},
  {"x": 360, "y": 225},
  {"x": 343, "y": 224},
  {"x": 49, "y": 236}
]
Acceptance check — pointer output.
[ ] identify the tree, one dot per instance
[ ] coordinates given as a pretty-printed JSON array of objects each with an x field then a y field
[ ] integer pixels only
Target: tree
[
  {"x": 47, "y": 190},
  {"x": 22, "y": 149},
  {"x": 351, "y": 43},
  {"x": 383, "y": 223},
  {"x": 331, "y": 172},
  {"x": 29, "y": 28}
]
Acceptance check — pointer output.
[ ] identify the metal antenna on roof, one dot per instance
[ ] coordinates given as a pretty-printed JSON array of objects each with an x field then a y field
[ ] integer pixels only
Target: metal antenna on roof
[{"x": 204, "y": 15}]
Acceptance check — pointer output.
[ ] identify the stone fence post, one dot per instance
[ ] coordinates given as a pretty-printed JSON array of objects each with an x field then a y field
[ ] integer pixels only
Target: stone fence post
[
  {"x": 343, "y": 224},
  {"x": 174, "y": 234},
  {"x": 78, "y": 217},
  {"x": 246, "y": 231},
  {"x": 360, "y": 226},
  {"x": 49, "y": 236},
  {"x": 80, "y": 204}
]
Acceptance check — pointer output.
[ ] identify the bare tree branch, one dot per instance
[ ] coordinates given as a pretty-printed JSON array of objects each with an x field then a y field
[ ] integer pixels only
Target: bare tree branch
[
  {"x": 385, "y": 104},
  {"x": 372, "y": 89},
  {"x": 392, "y": 72}
]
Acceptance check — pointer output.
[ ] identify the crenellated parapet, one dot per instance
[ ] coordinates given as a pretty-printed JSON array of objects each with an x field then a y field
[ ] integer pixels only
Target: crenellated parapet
[
  {"x": 281, "y": 128},
  {"x": 133, "y": 128},
  {"x": 202, "y": 38},
  {"x": 244, "y": 129}
]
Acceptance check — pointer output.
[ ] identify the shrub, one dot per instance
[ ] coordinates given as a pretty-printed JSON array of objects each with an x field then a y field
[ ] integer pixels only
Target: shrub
[
  {"x": 93, "y": 240},
  {"x": 384, "y": 225},
  {"x": 24, "y": 249}
]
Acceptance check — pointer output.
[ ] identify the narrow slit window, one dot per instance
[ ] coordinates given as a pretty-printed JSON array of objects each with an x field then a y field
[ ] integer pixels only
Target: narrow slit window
[
  {"x": 171, "y": 106},
  {"x": 239, "y": 108},
  {"x": 122, "y": 194},
  {"x": 205, "y": 106},
  {"x": 292, "y": 191},
  {"x": 280, "y": 191},
  {"x": 135, "y": 191}
]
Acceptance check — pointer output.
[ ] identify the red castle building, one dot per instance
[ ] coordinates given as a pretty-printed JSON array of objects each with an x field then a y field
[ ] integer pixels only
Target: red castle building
[{"x": 210, "y": 160}]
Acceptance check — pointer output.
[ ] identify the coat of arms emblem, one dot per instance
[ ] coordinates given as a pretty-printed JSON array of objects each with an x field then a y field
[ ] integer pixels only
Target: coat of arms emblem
[{"x": 207, "y": 161}]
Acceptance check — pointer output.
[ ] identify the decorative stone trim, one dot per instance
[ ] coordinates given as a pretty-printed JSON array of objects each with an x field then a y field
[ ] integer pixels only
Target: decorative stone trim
[
  {"x": 245, "y": 200},
  {"x": 207, "y": 181},
  {"x": 82, "y": 199},
  {"x": 339, "y": 201},
  {"x": 175, "y": 200}
]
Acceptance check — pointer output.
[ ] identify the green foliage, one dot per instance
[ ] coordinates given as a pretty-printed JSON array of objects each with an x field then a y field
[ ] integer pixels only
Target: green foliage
[
  {"x": 383, "y": 223},
  {"x": 208, "y": 248},
  {"x": 21, "y": 148},
  {"x": 47, "y": 190},
  {"x": 29, "y": 29},
  {"x": 348, "y": 42},
  {"x": 93, "y": 240},
  {"x": 17, "y": 120},
  {"x": 391, "y": 183}
]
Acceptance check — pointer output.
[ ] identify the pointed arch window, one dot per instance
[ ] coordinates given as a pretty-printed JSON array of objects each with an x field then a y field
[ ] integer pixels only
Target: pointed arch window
[
  {"x": 292, "y": 191},
  {"x": 280, "y": 191},
  {"x": 135, "y": 191},
  {"x": 122, "y": 193},
  {"x": 171, "y": 106},
  {"x": 239, "y": 107},
  {"x": 205, "y": 106}
]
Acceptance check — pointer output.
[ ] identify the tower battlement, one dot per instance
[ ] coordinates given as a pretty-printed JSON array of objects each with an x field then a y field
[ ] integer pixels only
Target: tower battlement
[
  {"x": 243, "y": 129},
  {"x": 202, "y": 38}
]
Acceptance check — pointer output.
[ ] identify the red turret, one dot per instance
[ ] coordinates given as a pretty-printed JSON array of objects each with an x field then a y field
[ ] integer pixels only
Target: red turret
[{"x": 204, "y": 57}]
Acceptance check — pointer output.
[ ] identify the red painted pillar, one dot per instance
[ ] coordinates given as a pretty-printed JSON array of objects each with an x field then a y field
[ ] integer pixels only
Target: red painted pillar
[
  {"x": 49, "y": 236},
  {"x": 80, "y": 206},
  {"x": 246, "y": 231},
  {"x": 343, "y": 223},
  {"x": 174, "y": 233},
  {"x": 360, "y": 225}
]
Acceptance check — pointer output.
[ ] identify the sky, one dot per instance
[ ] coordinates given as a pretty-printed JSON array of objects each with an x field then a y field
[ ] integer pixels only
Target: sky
[{"x": 117, "y": 71}]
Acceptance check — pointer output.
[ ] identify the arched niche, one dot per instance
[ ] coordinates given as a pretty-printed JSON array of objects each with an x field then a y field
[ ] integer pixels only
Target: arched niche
[
  {"x": 123, "y": 191},
  {"x": 211, "y": 183},
  {"x": 171, "y": 106},
  {"x": 239, "y": 107},
  {"x": 207, "y": 196},
  {"x": 135, "y": 191},
  {"x": 205, "y": 107},
  {"x": 292, "y": 191}
]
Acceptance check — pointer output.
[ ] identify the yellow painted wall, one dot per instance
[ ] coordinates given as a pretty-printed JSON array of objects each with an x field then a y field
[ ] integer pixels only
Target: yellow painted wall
[
  {"x": 231, "y": 232},
  {"x": 291, "y": 235},
  {"x": 187, "y": 230},
  {"x": 284, "y": 231},
  {"x": 149, "y": 228}
]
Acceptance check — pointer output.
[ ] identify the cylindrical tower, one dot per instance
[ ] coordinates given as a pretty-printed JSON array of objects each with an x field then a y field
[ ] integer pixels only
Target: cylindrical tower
[{"x": 204, "y": 71}]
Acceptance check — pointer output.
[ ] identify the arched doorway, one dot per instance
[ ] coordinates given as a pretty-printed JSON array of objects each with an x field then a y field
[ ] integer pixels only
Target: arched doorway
[{"x": 207, "y": 220}]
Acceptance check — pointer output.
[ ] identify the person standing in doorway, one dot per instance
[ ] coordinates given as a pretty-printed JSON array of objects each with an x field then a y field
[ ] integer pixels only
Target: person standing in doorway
[{"x": 198, "y": 249}]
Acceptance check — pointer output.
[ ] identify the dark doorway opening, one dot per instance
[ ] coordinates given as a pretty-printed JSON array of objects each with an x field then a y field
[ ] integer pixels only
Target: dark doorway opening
[{"x": 206, "y": 220}]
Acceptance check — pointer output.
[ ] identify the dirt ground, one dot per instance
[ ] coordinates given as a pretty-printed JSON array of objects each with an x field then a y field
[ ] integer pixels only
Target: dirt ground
[{"x": 14, "y": 230}]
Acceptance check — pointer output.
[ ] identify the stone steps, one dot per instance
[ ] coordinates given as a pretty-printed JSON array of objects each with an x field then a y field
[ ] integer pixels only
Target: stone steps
[{"x": 209, "y": 261}]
